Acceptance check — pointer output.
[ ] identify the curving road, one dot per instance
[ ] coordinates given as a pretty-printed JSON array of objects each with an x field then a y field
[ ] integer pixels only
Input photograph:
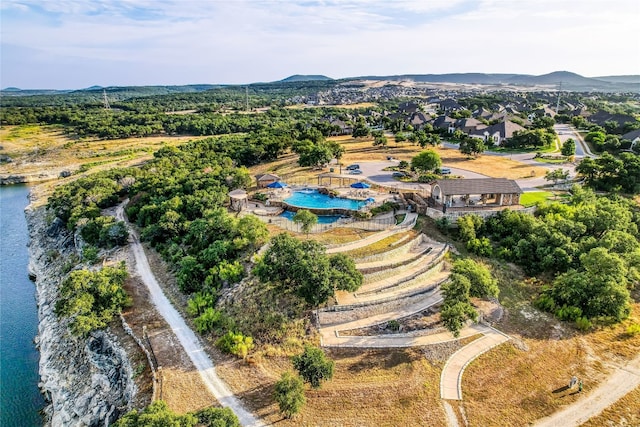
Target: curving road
[{"x": 185, "y": 335}]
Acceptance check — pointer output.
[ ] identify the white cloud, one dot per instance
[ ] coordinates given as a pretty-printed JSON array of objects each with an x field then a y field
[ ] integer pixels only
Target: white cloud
[{"x": 257, "y": 40}]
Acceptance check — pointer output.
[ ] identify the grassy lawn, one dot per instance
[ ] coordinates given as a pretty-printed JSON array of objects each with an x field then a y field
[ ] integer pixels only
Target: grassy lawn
[
  {"x": 552, "y": 161},
  {"x": 532, "y": 198}
]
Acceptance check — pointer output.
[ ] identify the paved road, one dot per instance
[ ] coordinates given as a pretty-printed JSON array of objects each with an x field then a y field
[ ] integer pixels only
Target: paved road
[
  {"x": 185, "y": 335},
  {"x": 566, "y": 131},
  {"x": 451, "y": 376},
  {"x": 375, "y": 173}
]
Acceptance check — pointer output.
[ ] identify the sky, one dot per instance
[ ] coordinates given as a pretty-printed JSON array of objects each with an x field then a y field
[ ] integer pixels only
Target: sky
[{"x": 72, "y": 44}]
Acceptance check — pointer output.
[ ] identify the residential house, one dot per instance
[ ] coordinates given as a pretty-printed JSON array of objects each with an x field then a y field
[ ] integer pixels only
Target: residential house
[
  {"x": 265, "y": 179},
  {"x": 497, "y": 133},
  {"x": 633, "y": 136},
  {"x": 449, "y": 105},
  {"x": 469, "y": 125},
  {"x": 601, "y": 117},
  {"x": 445, "y": 122},
  {"x": 409, "y": 107},
  {"x": 419, "y": 119},
  {"x": 341, "y": 128}
]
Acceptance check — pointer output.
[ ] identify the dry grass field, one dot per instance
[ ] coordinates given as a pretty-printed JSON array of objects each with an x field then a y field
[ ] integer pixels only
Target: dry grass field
[
  {"x": 42, "y": 152},
  {"x": 514, "y": 384},
  {"x": 369, "y": 388}
]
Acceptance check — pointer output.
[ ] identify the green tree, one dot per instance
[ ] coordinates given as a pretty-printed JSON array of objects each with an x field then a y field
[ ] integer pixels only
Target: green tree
[
  {"x": 217, "y": 417},
  {"x": 456, "y": 307},
  {"x": 313, "y": 366},
  {"x": 482, "y": 284},
  {"x": 426, "y": 161},
  {"x": 556, "y": 175},
  {"x": 306, "y": 219},
  {"x": 157, "y": 414},
  {"x": 455, "y": 314},
  {"x": 304, "y": 269},
  {"x": 568, "y": 148},
  {"x": 289, "y": 394},
  {"x": 472, "y": 146},
  {"x": 380, "y": 140},
  {"x": 544, "y": 122},
  {"x": 344, "y": 273},
  {"x": 598, "y": 289},
  {"x": 91, "y": 299},
  {"x": 360, "y": 129}
]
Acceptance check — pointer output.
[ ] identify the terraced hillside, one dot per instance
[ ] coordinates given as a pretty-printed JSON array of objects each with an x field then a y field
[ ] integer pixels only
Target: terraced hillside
[{"x": 401, "y": 283}]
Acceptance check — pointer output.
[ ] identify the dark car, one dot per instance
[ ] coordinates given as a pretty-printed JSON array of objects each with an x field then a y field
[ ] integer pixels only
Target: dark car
[
  {"x": 353, "y": 167},
  {"x": 398, "y": 174}
]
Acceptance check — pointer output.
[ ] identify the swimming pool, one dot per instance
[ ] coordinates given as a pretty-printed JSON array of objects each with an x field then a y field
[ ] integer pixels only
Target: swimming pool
[
  {"x": 322, "y": 219},
  {"x": 314, "y": 200}
]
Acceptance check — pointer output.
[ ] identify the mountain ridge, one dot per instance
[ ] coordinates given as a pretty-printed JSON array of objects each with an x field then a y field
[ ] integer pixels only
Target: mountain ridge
[{"x": 570, "y": 81}]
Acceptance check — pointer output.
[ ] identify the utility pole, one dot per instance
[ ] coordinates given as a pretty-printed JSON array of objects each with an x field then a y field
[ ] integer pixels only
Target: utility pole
[
  {"x": 105, "y": 100},
  {"x": 246, "y": 96},
  {"x": 558, "y": 102}
]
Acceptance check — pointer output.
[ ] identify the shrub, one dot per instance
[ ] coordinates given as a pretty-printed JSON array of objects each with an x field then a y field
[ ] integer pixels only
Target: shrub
[
  {"x": 393, "y": 325},
  {"x": 427, "y": 177},
  {"x": 481, "y": 246},
  {"x": 633, "y": 330},
  {"x": 313, "y": 366},
  {"x": 212, "y": 319},
  {"x": 289, "y": 394},
  {"x": 90, "y": 254},
  {"x": 443, "y": 223},
  {"x": 385, "y": 207},
  {"x": 261, "y": 197},
  {"x": 482, "y": 284},
  {"x": 583, "y": 323},
  {"x": 236, "y": 344},
  {"x": 569, "y": 313},
  {"x": 199, "y": 302}
]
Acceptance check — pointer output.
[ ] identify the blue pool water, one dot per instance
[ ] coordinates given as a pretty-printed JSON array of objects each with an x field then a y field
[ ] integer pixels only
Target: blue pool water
[
  {"x": 322, "y": 219},
  {"x": 321, "y": 201}
]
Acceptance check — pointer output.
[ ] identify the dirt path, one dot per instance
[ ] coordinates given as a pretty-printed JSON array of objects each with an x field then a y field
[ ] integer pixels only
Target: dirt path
[
  {"x": 185, "y": 335},
  {"x": 623, "y": 380}
]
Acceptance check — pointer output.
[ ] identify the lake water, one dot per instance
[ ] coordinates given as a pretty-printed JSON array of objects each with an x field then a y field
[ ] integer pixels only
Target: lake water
[{"x": 20, "y": 399}]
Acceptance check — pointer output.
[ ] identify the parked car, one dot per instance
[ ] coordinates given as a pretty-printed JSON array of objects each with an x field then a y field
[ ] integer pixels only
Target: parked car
[
  {"x": 398, "y": 174},
  {"x": 353, "y": 167},
  {"x": 445, "y": 171},
  {"x": 355, "y": 172}
]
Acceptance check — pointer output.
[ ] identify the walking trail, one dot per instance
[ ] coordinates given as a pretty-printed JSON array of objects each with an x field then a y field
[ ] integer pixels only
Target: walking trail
[
  {"x": 623, "y": 380},
  {"x": 185, "y": 335}
]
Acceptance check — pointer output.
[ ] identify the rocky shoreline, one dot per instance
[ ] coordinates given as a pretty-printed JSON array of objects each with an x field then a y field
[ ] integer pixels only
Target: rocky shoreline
[{"x": 86, "y": 381}]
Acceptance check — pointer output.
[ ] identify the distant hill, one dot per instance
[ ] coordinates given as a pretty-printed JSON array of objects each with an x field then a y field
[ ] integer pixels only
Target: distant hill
[
  {"x": 570, "y": 81},
  {"x": 304, "y": 78},
  {"x": 620, "y": 79},
  {"x": 464, "y": 78}
]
